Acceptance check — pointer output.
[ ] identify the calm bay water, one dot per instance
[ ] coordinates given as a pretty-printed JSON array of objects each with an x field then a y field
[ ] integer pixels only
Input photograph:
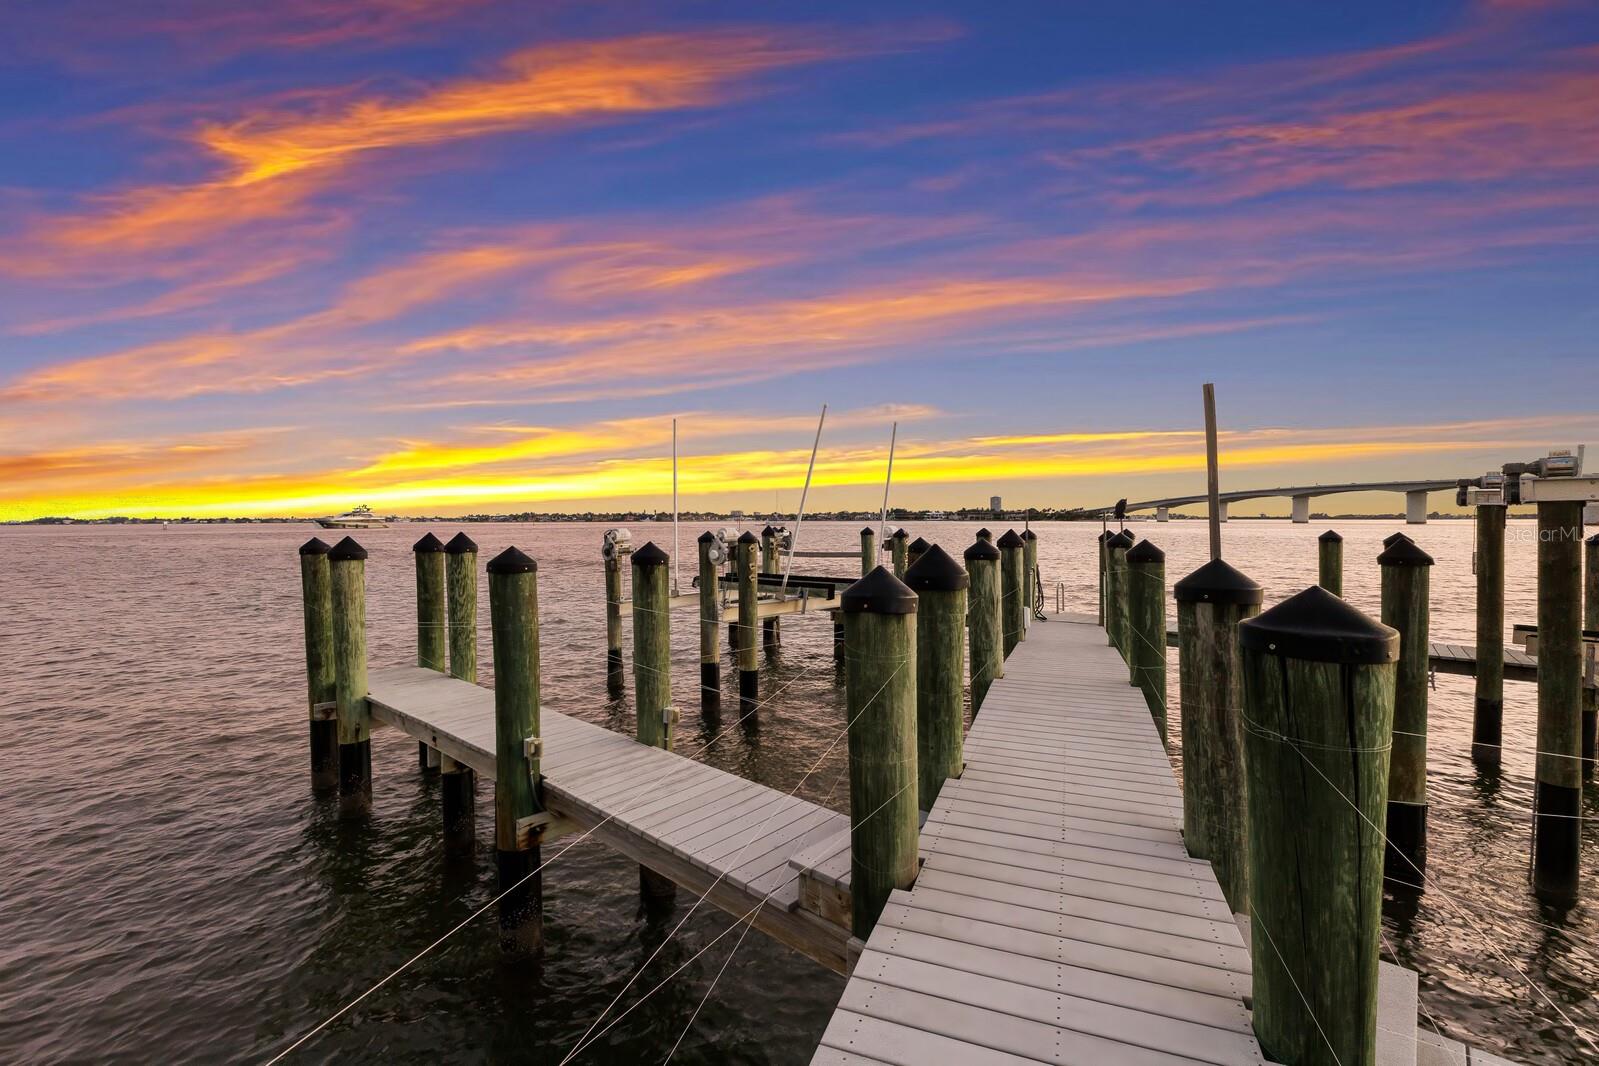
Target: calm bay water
[{"x": 175, "y": 892}]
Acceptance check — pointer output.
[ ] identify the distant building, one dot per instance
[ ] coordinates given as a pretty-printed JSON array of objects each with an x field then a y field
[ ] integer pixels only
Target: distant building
[{"x": 995, "y": 504}]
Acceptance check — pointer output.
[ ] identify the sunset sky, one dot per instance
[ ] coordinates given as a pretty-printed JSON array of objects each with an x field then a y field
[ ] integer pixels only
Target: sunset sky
[{"x": 441, "y": 256}]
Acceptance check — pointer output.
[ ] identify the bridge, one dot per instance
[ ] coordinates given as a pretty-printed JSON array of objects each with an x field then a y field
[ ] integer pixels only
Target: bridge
[{"x": 1415, "y": 498}]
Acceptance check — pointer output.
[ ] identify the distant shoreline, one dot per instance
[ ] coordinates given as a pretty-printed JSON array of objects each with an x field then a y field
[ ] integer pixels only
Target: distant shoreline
[{"x": 622, "y": 517}]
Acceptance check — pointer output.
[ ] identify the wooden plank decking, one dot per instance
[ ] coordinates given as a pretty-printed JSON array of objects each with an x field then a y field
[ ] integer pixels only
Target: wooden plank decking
[
  {"x": 704, "y": 828},
  {"x": 1057, "y": 917}
]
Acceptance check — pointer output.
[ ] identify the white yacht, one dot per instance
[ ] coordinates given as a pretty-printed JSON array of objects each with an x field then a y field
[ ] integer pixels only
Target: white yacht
[{"x": 356, "y": 518}]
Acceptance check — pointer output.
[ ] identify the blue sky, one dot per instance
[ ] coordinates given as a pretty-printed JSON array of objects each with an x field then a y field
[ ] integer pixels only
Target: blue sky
[{"x": 476, "y": 256}]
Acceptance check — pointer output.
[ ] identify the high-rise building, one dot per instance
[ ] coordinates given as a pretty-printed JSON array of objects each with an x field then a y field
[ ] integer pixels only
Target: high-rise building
[{"x": 995, "y": 504}]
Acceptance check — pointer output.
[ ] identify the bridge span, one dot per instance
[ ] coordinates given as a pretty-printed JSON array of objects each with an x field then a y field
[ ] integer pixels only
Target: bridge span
[{"x": 1415, "y": 498}]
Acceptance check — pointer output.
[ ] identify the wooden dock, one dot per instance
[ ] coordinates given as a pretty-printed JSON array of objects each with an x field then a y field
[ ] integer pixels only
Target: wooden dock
[
  {"x": 1057, "y": 916},
  {"x": 701, "y": 827}
]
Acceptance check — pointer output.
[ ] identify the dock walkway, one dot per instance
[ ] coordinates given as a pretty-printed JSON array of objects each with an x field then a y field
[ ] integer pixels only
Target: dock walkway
[
  {"x": 1057, "y": 917},
  {"x": 704, "y": 828}
]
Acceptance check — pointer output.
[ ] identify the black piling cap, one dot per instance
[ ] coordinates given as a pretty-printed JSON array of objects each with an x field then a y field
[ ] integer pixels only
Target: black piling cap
[
  {"x": 899, "y": 534},
  {"x": 935, "y": 571},
  {"x": 984, "y": 534},
  {"x": 918, "y": 546},
  {"x": 650, "y": 555},
  {"x": 429, "y": 543},
  {"x": 346, "y": 550},
  {"x": 1393, "y": 538},
  {"x": 1121, "y": 540},
  {"x": 1028, "y": 534},
  {"x": 867, "y": 531},
  {"x": 314, "y": 546},
  {"x": 1404, "y": 552},
  {"x": 748, "y": 538},
  {"x": 1145, "y": 552},
  {"x": 879, "y": 592},
  {"x": 512, "y": 561},
  {"x": 707, "y": 537},
  {"x": 1331, "y": 537},
  {"x": 768, "y": 532},
  {"x": 1320, "y": 627},
  {"x": 1218, "y": 581},
  {"x": 981, "y": 550},
  {"x": 1009, "y": 540},
  {"x": 460, "y": 544}
]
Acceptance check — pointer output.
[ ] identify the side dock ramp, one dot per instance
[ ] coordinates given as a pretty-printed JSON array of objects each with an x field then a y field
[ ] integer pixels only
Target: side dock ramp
[{"x": 1057, "y": 917}]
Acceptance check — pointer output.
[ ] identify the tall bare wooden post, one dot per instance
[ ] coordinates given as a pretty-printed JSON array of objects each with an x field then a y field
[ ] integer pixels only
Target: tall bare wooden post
[
  {"x": 1557, "y": 791},
  {"x": 771, "y": 629},
  {"x": 940, "y": 585},
  {"x": 518, "y": 748},
  {"x": 321, "y": 687},
  {"x": 1029, "y": 578},
  {"x": 1116, "y": 590},
  {"x": 880, "y": 696},
  {"x": 1318, "y": 708},
  {"x": 652, "y": 672},
  {"x": 1487, "y": 719},
  {"x": 432, "y": 623},
  {"x": 347, "y": 568},
  {"x": 457, "y": 781},
  {"x": 1405, "y": 604},
  {"x": 710, "y": 625},
  {"x": 1010, "y": 588},
  {"x": 614, "y": 683},
  {"x": 983, "y": 622},
  {"x": 1211, "y": 602},
  {"x": 1330, "y": 562},
  {"x": 1104, "y": 575},
  {"x": 749, "y": 608},
  {"x": 899, "y": 551},
  {"x": 868, "y": 550}
]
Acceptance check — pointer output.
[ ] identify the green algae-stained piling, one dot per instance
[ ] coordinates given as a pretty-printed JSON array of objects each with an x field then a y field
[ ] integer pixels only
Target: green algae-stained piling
[
  {"x": 880, "y": 697},
  {"x": 1557, "y": 793},
  {"x": 771, "y": 628},
  {"x": 432, "y": 622},
  {"x": 749, "y": 676},
  {"x": 1330, "y": 562},
  {"x": 1590, "y": 622},
  {"x": 1116, "y": 590},
  {"x": 914, "y": 551},
  {"x": 1211, "y": 602},
  {"x": 1406, "y": 594},
  {"x": 514, "y": 621},
  {"x": 710, "y": 623},
  {"x": 1029, "y": 578},
  {"x": 461, "y": 576},
  {"x": 1488, "y": 710},
  {"x": 1010, "y": 588},
  {"x": 322, "y": 696},
  {"x": 1318, "y": 707},
  {"x": 1146, "y": 627},
  {"x": 983, "y": 623},
  {"x": 652, "y": 671},
  {"x": 940, "y": 585},
  {"x": 347, "y": 572},
  {"x": 868, "y": 550},
  {"x": 899, "y": 549}
]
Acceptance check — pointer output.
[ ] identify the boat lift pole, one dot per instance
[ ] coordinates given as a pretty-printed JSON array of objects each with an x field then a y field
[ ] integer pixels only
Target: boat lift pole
[
  {"x": 882, "y": 533},
  {"x": 1213, "y": 480},
  {"x": 674, "y": 507},
  {"x": 799, "y": 516}
]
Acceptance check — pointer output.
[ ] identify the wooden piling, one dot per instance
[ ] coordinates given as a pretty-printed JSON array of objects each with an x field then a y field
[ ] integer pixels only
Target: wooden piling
[
  {"x": 1116, "y": 590},
  {"x": 749, "y": 676},
  {"x": 880, "y": 687},
  {"x": 316, "y": 595},
  {"x": 347, "y": 573},
  {"x": 514, "y": 621},
  {"x": 1029, "y": 578},
  {"x": 457, "y": 781},
  {"x": 1557, "y": 792},
  {"x": 652, "y": 671},
  {"x": 461, "y": 577},
  {"x": 914, "y": 551},
  {"x": 1146, "y": 627},
  {"x": 432, "y": 623},
  {"x": 1318, "y": 712},
  {"x": 984, "y": 626},
  {"x": 710, "y": 626},
  {"x": 985, "y": 535},
  {"x": 941, "y": 587},
  {"x": 1590, "y": 623},
  {"x": 614, "y": 684},
  {"x": 771, "y": 629},
  {"x": 1487, "y": 728},
  {"x": 1330, "y": 562},
  {"x": 1405, "y": 604},
  {"x": 1104, "y": 571},
  {"x": 868, "y": 550},
  {"x": 899, "y": 550},
  {"x": 1211, "y": 602},
  {"x": 1010, "y": 588}
]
